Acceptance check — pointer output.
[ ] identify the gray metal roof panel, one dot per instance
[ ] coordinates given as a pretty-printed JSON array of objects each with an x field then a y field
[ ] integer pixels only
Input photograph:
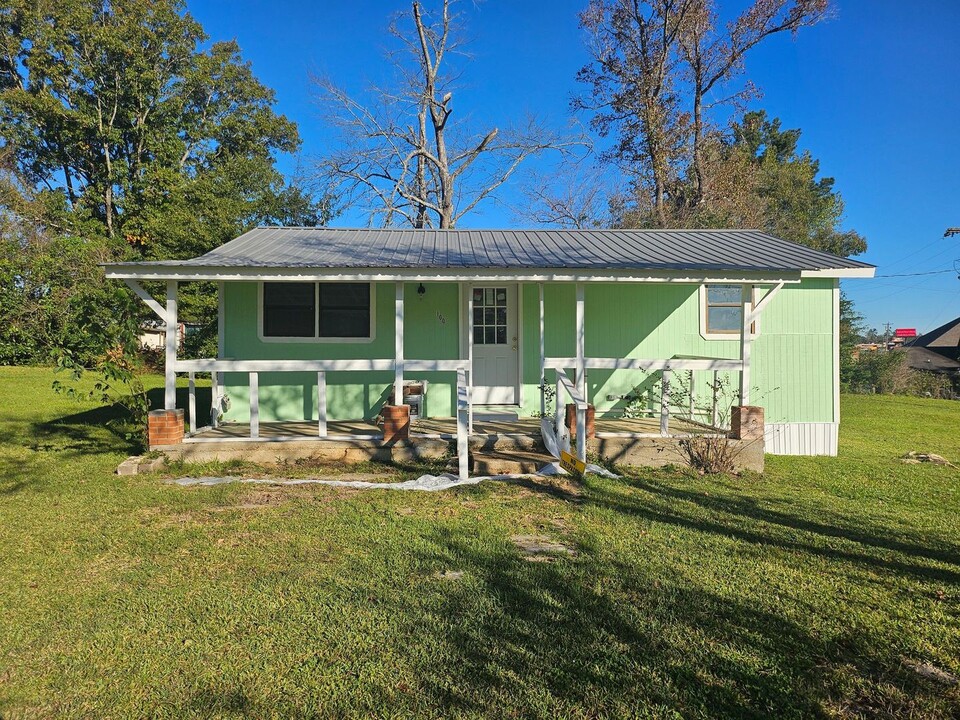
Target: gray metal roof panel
[{"x": 321, "y": 247}]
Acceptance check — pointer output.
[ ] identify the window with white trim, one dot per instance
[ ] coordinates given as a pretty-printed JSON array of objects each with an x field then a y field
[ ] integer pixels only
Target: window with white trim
[
  {"x": 723, "y": 309},
  {"x": 318, "y": 311}
]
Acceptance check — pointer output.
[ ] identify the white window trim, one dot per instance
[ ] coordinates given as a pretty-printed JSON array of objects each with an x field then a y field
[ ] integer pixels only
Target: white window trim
[
  {"x": 316, "y": 290},
  {"x": 702, "y": 312}
]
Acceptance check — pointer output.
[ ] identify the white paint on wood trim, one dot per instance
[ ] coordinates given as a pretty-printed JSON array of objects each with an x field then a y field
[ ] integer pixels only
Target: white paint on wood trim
[
  {"x": 745, "y": 339},
  {"x": 543, "y": 355},
  {"x": 141, "y": 293},
  {"x": 581, "y": 371},
  {"x": 647, "y": 364},
  {"x": 192, "y": 401},
  {"x": 398, "y": 345},
  {"x": 254, "y": 382},
  {"x": 120, "y": 271},
  {"x": 836, "y": 351},
  {"x": 172, "y": 340},
  {"x": 321, "y": 404},
  {"x": 463, "y": 425}
]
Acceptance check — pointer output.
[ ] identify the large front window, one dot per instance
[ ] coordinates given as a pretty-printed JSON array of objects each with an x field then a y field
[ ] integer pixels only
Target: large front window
[{"x": 319, "y": 311}]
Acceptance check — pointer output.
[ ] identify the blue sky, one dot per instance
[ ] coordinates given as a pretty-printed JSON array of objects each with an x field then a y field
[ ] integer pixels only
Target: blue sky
[{"x": 874, "y": 90}]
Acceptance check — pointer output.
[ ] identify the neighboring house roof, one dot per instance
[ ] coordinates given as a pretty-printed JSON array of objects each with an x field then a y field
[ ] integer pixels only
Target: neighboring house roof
[
  {"x": 665, "y": 251},
  {"x": 945, "y": 340},
  {"x": 920, "y": 358}
]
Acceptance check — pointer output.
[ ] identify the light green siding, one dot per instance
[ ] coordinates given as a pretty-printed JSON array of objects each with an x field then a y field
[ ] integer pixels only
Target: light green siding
[
  {"x": 432, "y": 331},
  {"x": 793, "y": 358}
]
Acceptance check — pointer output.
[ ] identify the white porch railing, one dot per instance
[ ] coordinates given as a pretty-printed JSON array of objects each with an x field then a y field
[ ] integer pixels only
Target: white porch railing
[
  {"x": 710, "y": 417},
  {"x": 253, "y": 368}
]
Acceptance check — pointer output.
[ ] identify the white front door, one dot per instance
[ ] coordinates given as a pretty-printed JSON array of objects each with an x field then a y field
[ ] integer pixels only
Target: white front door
[{"x": 496, "y": 357}]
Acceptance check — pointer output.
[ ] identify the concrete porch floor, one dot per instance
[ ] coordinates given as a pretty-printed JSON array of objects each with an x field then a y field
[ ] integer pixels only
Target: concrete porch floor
[{"x": 445, "y": 428}]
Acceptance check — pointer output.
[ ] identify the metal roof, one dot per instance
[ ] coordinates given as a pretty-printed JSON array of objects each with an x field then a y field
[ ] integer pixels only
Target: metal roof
[{"x": 591, "y": 250}]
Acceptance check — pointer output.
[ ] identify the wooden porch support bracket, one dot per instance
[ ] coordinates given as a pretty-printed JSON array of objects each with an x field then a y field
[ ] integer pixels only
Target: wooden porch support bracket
[
  {"x": 158, "y": 309},
  {"x": 172, "y": 341}
]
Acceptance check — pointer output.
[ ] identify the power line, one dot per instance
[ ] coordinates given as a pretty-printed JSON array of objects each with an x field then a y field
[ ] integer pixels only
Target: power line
[{"x": 932, "y": 272}]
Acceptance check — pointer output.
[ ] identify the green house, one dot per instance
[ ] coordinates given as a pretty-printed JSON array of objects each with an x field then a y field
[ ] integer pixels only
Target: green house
[{"x": 658, "y": 328}]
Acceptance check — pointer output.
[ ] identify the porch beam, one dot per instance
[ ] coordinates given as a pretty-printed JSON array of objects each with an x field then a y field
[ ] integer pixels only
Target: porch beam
[
  {"x": 172, "y": 341},
  {"x": 398, "y": 347},
  {"x": 647, "y": 364},
  {"x": 141, "y": 293}
]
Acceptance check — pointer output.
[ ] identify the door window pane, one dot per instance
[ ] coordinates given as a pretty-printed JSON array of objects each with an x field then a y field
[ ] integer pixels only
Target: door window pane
[{"x": 490, "y": 316}]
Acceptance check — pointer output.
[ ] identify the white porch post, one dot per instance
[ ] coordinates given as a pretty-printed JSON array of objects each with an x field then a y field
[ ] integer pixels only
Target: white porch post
[
  {"x": 469, "y": 359},
  {"x": 398, "y": 352},
  {"x": 172, "y": 342},
  {"x": 254, "y": 404},
  {"x": 322, "y": 404},
  {"x": 581, "y": 375},
  {"x": 745, "y": 340},
  {"x": 543, "y": 357}
]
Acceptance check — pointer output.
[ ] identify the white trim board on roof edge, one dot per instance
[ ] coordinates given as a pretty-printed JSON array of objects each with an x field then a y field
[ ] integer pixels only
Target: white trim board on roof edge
[{"x": 193, "y": 273}]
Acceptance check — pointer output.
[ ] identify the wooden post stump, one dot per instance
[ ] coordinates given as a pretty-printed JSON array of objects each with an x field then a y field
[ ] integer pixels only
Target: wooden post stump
[
  {"x": 164, "y": 427},
  {"x": 591, "y": 420},
  {"x": 746, "y": 422},
  {"x": 396, "y": 422}
]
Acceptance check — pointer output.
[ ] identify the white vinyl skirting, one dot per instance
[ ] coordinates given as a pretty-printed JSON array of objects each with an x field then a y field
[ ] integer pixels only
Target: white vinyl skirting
[{"x": 808, "y": 438}]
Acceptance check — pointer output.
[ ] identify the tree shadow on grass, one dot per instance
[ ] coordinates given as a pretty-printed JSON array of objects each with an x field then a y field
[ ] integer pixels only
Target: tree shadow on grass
[
  {"x": 739, "y": 517},
  {"x": 585, "y": 638},
  {"x": 595, "y": 636}
]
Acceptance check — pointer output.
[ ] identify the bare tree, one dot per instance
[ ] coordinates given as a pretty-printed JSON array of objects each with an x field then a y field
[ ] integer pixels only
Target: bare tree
[
  {"x": 402, "y": 152},
  {"x": 655, "y": 64},
  {"x": 633, "y": 79},
  {"x": 571, "y": 197},
  {"x": 715, "y": 57}
]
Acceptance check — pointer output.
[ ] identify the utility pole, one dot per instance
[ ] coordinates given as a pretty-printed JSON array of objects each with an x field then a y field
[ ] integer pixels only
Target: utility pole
[{"x": 951, "y": 231}]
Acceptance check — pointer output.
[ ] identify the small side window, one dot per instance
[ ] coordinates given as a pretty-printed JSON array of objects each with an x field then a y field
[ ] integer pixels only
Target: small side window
[{"x": 723, "y": 309}]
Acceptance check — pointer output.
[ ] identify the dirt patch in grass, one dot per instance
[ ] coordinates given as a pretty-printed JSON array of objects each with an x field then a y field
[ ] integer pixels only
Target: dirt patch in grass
[{"x": 540, "y": 548}]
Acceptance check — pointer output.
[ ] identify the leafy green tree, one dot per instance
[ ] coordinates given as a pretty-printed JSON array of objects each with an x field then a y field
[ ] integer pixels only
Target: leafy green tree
[{"x": 124, "y": 136}]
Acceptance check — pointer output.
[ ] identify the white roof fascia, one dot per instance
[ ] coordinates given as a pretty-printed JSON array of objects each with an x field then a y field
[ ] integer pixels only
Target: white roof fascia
[
  {"x": 860, "y": 272},
  {"x": 187, "y": 273}
]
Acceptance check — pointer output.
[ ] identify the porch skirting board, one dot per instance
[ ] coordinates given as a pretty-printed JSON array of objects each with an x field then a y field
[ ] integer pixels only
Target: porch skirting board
[{"x": 805, "y": 438}]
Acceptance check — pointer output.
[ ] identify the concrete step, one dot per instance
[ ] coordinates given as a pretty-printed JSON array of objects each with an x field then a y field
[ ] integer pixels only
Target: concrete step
[
  {"x": 506, "y": 443},
  {"x": 507, "y": 463}
]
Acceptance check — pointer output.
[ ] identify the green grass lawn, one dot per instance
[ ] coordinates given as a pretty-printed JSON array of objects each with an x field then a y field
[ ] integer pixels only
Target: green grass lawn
[{"x": 816, "y": 590}]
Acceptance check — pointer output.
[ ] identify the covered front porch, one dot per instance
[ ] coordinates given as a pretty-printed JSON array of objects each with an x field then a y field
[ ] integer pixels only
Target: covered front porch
[{"x": 681, "y": 395}]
